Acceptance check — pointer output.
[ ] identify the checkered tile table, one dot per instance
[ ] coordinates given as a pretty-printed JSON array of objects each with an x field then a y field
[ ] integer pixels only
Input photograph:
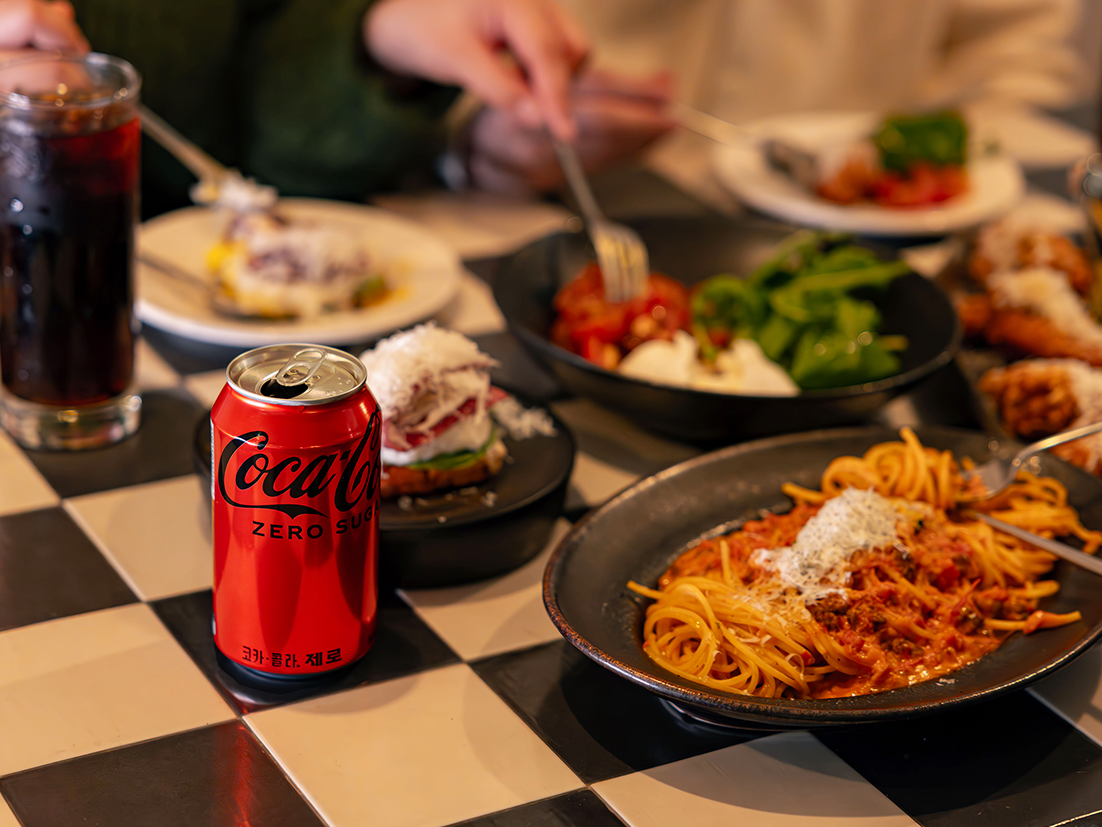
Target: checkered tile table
[{"x": 469, "y": 709}]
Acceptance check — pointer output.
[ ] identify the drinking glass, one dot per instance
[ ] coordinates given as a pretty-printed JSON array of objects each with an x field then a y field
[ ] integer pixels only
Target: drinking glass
[{"x": 69, "y": 138}]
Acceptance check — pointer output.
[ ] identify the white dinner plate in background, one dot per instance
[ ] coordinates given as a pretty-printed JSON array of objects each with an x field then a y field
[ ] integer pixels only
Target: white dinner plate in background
[
  {"x": 422, "y": 271},
  {"x": 996, "y": 181}
]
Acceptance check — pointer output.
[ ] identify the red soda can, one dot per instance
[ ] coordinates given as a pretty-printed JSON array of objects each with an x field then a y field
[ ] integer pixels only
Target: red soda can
[{"x": 295, "y": 438}]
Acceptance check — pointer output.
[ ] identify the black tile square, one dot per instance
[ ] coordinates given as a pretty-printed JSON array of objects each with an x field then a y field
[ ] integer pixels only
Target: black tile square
[
  {"x": 161, "y": 449},
  {"x": 49, "y": 569},
  {"x": 188, "y": 356},
  {"x": 1010, "y": 762},
  {"x": 216, "y": 776},
  {"x": 581, "y": 808},
  {"x": 403, "y": 645},
  {"x": 601, "y": 725}
]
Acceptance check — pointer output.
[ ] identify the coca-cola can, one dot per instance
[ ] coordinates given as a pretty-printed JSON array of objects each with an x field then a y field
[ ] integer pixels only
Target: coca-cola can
[{"x": 295, "y": 438}]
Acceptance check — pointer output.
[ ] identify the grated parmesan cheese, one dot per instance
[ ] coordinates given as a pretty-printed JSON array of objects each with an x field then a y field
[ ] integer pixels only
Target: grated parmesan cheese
[
  {"x": 421, "y": 375},
  {"x": 522, "y": 422},
  {"x": 1047, "y": 293},
  {"x": 814, "y": 564}
]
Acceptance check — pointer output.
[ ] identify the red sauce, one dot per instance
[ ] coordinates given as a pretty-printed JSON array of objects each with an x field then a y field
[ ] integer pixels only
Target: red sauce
[{"x": 907, "y": 617}]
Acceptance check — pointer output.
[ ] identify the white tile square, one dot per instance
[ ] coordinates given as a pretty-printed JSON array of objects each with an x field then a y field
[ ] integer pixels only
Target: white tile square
[
  {"x": 478, "y": 224},
  {"x": 157, "y": 535},
  {"x": 493, "y": 616},
  {"x": 431, "y": 749},
  {"x": 206, "y": 386},
  {"x": 22, "y": 488},
  {"x": 900, "y": 412},
  {"x": 788, "y": 780},
  {"x": 593, "y": 481},
  {"x": 1075, "y": 692},
  {"x": 151, "y": 371},
  {"x": 95, "y": 681},
  {"x": 7, "y": 817}
]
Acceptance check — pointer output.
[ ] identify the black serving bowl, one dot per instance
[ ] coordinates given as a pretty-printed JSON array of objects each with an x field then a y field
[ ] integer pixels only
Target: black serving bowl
[
  {"x": 691, "y": 250},
  {"x": 453, "y": 537},
  {"x": 636, "y": 535}
]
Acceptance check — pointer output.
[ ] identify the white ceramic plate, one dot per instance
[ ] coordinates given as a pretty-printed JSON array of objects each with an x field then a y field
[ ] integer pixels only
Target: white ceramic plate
[
  {"x": 996, "y": 181},
  {"x": 422, "y": 270}
]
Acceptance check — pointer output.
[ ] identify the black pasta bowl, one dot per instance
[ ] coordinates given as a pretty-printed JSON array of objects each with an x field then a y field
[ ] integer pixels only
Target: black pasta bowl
[
  {"x": 691, "y": 250},
  {"x": 459, "y": 536},
  {"x": 636, "y": 535}
]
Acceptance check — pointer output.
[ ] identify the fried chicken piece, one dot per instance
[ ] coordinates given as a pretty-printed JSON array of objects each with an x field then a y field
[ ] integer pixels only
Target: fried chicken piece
[
  {"x": 1059, "y": 253},
  {"x": 1006, "y": 247},
  {"x": 975, "y": 312},
  {"x": 1035, "y": 335},
  {"x": 1037, "y": 398},
  {"x": 1033, "y": 401}
]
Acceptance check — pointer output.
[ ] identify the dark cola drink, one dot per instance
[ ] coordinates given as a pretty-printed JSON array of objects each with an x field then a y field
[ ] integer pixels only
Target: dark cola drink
[
  {"x": 66, "y": 244},
  {"x": 69, "y": 176},
  {"x": 295, "y": 495}
]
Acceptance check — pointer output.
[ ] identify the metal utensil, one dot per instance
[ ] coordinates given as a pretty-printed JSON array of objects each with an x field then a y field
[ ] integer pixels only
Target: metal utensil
[
  {"x": 621, "y": 253},
  {"x": 998, "y": 473},
  {"x": 1061, "y": 550},
  {"x": 798, "y": 163},
  {"x": 219, "y": 301},
  {"x": 214, "y": 178},
  {"x": 186, "y": 152}
]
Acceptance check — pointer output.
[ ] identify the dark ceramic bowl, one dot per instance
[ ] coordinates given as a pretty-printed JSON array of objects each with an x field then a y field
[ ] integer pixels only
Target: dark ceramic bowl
[
  {"x": 690, "y": 250},
  {"x": 638, "y": 534},
  {"x": 449, "y": 538}
]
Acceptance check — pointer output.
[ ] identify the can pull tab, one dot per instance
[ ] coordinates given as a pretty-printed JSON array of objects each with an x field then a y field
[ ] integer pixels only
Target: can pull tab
[{"x": 293, "y": 378}]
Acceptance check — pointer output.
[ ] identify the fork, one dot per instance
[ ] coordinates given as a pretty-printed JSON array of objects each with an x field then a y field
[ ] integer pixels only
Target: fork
[
  {"x": 998, "y": 473},
  {"x": 621, "y": 253},
  {"x": 795, "y": 162},
  {"x": 212, "y": 175},
  {"x": 1063, "y": 550}
]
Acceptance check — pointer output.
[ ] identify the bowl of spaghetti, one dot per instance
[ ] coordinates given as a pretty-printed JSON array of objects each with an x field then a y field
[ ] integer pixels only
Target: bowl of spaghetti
[{"x": 831, "y": 578}]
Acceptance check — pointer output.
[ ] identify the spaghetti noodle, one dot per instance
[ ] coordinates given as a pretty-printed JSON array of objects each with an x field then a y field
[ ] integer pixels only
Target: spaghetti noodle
[{"x": 877, "y": 580}]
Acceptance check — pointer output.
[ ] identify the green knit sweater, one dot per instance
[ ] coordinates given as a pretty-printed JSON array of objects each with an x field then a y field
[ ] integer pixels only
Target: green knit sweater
[{"x": 280, "y": 89}]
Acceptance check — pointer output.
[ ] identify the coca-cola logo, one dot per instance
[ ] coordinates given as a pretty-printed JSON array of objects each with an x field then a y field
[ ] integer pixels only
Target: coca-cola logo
[{"x": 354, "y": 474}]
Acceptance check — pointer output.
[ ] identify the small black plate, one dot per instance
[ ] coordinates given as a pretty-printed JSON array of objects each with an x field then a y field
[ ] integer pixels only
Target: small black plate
[
  {"x": 690, "y": 250},
  {"x": 636, "y": 535},
  {"x": 468, "y": 534}
]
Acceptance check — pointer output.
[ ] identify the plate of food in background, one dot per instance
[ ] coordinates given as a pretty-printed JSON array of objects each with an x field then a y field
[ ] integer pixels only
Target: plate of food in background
[
  {"x": 1030, "y": 307},
  {"x": 746, "y": 328},
  {"x": 305, "y": 270},
  {"x": 830, "y": 578},
  {"x": 906, "y": 175}
]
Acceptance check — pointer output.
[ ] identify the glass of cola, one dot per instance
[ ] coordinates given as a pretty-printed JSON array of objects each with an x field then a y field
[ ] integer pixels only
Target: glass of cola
[{"x": 69, "y": 140}]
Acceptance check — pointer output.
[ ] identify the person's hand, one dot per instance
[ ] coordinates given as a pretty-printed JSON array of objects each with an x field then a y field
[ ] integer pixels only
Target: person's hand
[
  {"x": 517, "y": 55},
  {"x": 27, "y": 26},
  {"x": 617, "y": 117}
]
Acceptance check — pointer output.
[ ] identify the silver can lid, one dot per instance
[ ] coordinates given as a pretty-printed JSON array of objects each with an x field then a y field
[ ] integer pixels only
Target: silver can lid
[{"x": 296, "y": 374}]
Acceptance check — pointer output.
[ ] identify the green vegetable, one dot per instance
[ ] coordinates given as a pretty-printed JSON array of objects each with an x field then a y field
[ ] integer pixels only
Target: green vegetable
[
  {"x": 456, "y": 459},
  {"x": 729, "y": 304},
  {"x": 939, "y": 139},
  {"x": 808, "y": 308},
  {"x": 371, "y": 290}
]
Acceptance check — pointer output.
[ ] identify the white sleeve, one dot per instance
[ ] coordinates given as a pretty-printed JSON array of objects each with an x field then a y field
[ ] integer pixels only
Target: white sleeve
[{"x": 1010, "y": 51}]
